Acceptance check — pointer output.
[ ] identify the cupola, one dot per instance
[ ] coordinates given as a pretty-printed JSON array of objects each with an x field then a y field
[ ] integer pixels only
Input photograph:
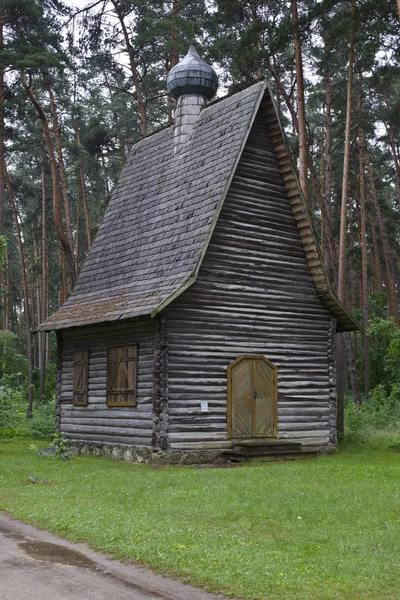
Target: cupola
[{"x": 191, "y": 82}]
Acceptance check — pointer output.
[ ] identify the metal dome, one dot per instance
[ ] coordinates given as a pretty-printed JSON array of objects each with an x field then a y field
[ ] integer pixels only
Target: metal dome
[{"x": 192, "y": 76}]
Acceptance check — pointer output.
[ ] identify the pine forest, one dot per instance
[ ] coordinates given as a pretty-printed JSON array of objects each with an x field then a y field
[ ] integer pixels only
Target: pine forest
[{"x": 80, "y": 83}]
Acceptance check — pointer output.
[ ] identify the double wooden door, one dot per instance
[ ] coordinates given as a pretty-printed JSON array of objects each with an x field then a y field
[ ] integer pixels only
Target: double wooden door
[{"x": 252, "y": 397}]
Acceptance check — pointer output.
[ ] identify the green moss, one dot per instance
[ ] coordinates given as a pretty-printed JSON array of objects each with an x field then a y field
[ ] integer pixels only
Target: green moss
[{"x": 325, "y": 528}]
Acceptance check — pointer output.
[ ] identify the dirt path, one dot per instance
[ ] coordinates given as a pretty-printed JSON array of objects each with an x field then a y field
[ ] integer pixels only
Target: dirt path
[{"x": 37, "y": 565}]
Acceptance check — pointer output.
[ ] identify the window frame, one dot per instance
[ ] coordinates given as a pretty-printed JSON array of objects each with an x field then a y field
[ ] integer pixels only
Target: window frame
[{"x": 130, "y": 393}]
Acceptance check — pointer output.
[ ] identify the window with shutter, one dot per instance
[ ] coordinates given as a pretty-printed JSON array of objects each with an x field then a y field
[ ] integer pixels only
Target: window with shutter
[
  {"x": 81, "y": 374},
  {"x": 122, "y": 376}
]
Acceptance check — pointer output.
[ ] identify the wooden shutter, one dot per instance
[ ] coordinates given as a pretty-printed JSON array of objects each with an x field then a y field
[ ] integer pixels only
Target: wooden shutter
[
  {"x": 122, "y": 376},
  {"x": 81, "y": 375}
]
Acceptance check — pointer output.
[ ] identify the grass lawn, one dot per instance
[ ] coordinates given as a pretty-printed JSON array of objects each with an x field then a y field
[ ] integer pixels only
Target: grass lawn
[{"x": 326, "y": 528}]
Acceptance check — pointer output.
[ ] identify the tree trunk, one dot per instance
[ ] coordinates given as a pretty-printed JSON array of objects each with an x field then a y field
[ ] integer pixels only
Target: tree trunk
[
  {"x": 121, "y": 140},
  {"x": 346, "y": 168},
  {"x": 108, "y": 191},
  {"x": 68, "y": 251},
  {"x": 172, "y": 60},
  {"x": 63, "y": 289},
  {"x": 77, "y": 229},
  {"x": 341, "y": 384},
  {"x": 351, "y": 358},
  {"x": 396, "y": 159},
  {"x": 328, "y": 240},
  {"x": 390, "y": 269},
  {"x": 132, "y": 63},
  {"x": 83, "y": 189},
  {"x": 364, "y": 259},
  {"x": 376, "y": 259},
  {"x": 25, "y": 294},
  {"x": 3, "y": 271},
  {"x": 2, "y": 157},
  {"x": 341, "y": 363},
  {"x": 6, "y": 296},
  {"x": 327, "y": 189},
  {"x": 61, "y": 170},
  {"x": 32, "y": 302},
  {"x": 44, "y": 294},
  {"x": 281, "y": 89},
  {"x": 174, "y": 56},
  {"x": 301, "y": 114}
]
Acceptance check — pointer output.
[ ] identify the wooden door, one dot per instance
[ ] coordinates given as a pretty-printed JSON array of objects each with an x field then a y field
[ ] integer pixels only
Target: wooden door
[{"x": 252, "y": 397}]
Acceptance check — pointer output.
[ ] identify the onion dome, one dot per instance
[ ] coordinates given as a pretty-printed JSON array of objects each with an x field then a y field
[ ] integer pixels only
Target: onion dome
[{"x": 192, "y": 76}]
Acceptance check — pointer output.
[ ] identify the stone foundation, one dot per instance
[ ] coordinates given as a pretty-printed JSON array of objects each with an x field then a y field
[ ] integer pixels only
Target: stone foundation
[
  {"x": 144, "y": 454},
  {"x": 147, "y": 455}
]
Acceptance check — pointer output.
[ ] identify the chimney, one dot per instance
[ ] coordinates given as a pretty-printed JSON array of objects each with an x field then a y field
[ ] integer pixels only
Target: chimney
[{"x": 191, "y": 82}]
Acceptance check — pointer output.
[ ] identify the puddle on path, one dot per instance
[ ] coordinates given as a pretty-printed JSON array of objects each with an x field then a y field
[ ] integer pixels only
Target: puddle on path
[
  {"x": 56, "y": 553},
  {"x": 11, "y": 534}
]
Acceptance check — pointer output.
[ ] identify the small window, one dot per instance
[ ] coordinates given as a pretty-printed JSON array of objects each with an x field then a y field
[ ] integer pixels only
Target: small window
[
  {"x": 81, "y": 371},
  {"x": 121, "y": 376}
]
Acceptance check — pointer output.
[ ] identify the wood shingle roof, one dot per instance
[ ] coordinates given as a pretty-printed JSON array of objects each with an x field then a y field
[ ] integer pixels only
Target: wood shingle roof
[{"x": 156, "y": 229}]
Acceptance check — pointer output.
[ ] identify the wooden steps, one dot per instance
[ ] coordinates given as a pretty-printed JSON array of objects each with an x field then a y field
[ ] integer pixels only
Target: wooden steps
[{"x": 263, "y": 449}]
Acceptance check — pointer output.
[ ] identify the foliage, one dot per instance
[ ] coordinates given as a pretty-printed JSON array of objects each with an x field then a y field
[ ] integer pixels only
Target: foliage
[
  {"x": 384, "y": 336},
  {"x": 12, "y": 412},
  {"x": 13, "y": 365},
  {"x": 3, "y": 250},
  {"x": 377, "y": 412},
  {"x": 282, "y": 530},
  {"x": 394, "y": 443},
  {"x": 382, "y": 408},
  {"x": 13, "y": 421},
  {"x": 61, "y": 445},
  {"x": 43, "y": 419}
]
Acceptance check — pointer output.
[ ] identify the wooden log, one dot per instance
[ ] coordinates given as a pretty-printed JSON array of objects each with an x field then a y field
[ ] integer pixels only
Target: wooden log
[
  {"x": 114, "y": 439},
  {"x": 112, "y": 430}
]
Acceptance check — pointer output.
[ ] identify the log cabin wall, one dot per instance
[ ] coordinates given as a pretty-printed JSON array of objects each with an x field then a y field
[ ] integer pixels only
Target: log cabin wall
[
  {"x": 97, "y": 421},
  {"x": 254, "y": 295}
]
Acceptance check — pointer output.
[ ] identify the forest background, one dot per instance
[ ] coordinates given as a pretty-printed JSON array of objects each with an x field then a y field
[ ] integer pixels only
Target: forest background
[{"x": 80, "y": 84}]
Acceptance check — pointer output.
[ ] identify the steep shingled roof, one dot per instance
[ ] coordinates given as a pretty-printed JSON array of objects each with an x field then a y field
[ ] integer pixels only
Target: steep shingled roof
[{"x": 156, "y": 229}]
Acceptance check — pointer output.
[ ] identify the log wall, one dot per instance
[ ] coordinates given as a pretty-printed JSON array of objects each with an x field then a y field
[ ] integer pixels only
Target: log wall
[
  {"x": 254, "y": 295},
  {"x": 97, "y": 421}
]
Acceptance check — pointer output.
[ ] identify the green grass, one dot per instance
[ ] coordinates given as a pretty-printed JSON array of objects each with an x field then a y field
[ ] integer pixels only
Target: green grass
[{"x": 324, "y": 529}]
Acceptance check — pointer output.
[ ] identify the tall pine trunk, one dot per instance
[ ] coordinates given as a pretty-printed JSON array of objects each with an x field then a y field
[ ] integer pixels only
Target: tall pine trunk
[
  {"x": 329, "y": 252},
  {"x": 43, "y": 295},
  {"x": 57, "y": 215},
  {"x": 341, "y": 360},
  {"x": 301, "y": 113},
  {"x": 134, "y": 71},
  {"x": 364, "y": 261},
  {"x": 346, "y": 171},
  {"x": 396, "y": 159},
  {"x": 3, "y": 269},
  {"x": 25, "y": 294},
  {"x": 376, "y": 259},
  {"x": 61, "y": 170},
  {"x": 83, "y": 188},
  {"x": 2, "y": 149},
  {"x": 389, "y": 267}
]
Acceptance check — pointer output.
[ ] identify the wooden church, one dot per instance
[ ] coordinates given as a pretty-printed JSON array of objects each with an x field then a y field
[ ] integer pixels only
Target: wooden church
[{"x": 202, "y": 321}]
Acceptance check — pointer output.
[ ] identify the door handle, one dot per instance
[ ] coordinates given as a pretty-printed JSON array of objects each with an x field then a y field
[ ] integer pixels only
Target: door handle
[{"x": 255, "y": 394}]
